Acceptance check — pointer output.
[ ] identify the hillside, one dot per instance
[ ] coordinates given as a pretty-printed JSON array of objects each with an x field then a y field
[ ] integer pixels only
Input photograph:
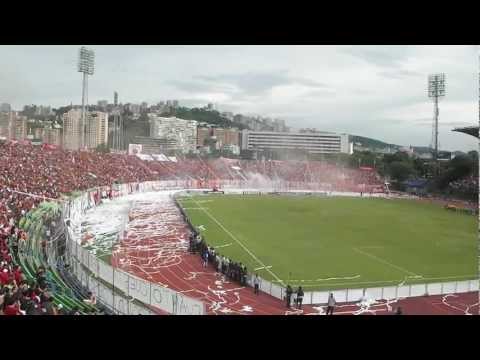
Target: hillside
[
  {"x": 377, "y": 144},
  {"x": 203, "y": 115}
]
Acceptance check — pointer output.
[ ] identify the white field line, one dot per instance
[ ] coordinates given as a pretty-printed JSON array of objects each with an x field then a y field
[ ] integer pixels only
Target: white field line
[
  {"x": 263, "y": 267},
  {"x": 386, "y": 262},
  {"x": 222, "y": 246},
  {"x": 465, "y": 277},
  {"x": 328, "y": 279},
  {"x": 240, "y": 243}
]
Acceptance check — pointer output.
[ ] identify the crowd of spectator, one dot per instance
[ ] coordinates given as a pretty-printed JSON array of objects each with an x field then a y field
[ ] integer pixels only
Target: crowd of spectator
[
  {"x": 31, "y": 174},
  {"x": 468, "y": 185},
  {"x": 17, "y": 295}
]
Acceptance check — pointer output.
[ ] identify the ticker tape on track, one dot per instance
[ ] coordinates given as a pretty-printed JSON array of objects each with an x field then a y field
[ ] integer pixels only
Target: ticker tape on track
[{"x": 34, "y": 195}]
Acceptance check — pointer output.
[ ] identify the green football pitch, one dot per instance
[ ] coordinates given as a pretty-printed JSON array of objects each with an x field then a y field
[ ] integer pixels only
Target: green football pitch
[{"x": 338, "y": 242}]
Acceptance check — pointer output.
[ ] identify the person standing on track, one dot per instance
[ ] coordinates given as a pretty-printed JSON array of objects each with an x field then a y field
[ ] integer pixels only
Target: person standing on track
[
  {"x": 299, "y": 297},
  {"x": 205, "y": 258},
  {"x": 256, "y": 284},
  {"x": 331, "y": 304},
  {"x": 289, "y": 295}
]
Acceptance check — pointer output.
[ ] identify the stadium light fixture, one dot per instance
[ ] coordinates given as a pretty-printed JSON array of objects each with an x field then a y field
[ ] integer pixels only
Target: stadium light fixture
[
  {"x": 86, "y": 65},
  {"x": 436, "y": 89}
]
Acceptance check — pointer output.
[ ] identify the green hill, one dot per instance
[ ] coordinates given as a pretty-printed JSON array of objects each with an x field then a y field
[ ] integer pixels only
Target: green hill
[
  {"x": 377, "y": 144},
  {"x": 203, "y": 115}
]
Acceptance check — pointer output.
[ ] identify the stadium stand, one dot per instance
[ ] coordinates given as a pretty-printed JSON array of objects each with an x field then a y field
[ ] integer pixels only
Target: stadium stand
[{"x": 31, "y": 283}]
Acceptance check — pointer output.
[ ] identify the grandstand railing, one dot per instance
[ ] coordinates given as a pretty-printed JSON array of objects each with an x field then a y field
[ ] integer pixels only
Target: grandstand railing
[{"x": 375, "y": 293}]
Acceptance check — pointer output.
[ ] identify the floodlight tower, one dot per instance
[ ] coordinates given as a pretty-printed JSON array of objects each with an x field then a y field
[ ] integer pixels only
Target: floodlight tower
[
  {"x": 436, "y": 89},
  {"x": 86, "y": 59}
]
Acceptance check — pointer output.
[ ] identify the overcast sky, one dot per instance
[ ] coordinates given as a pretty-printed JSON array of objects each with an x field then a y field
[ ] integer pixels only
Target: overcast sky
[{"x": 374, "y": 91}]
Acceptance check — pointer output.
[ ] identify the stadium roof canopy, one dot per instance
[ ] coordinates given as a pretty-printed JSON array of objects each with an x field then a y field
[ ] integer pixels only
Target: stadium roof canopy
[{"x": 470, "y": 130}]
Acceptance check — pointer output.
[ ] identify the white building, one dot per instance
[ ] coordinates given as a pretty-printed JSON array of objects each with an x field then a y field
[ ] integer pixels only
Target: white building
[
  {"x": 234, "y": 149},
  {"x": 184, "y": 132},
  {"x": 97, "y": 129},
  {"x": 319, "y": 143},
  {"x": 72, "y": 124}
]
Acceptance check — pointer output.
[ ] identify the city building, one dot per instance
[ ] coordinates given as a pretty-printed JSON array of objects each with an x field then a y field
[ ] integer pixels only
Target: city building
[
  {"x": 152, "y": 146},
  {"x": 319, "y": 142},
  {"x": 115, "y": 98},
  {"x": 43, "y": 110},
  {"x": 102, "y": 104},
  {"x": 38, "y": 133},
  {"x": 133, "y": 108},
  {"x": 13, "y": 126},
  {"x": 234, "y": 149},
  {"x": 184, "y": 132},
  {"x": 72, "y": 124},
  {"x": 5, "y": 108},
  {"x": 97, "y": 129},
  {"x": 143, "y": 107},
  {"x": 7, "y": 129},
  {"x": 279, "y": 125},
  {"x": 53, "y": 135},
  {"x": 226, "y": 136},
  {"x": 20, "y": 127},
  {"x": 203, "y": 133},
  {"x": 221, "y": 136}
]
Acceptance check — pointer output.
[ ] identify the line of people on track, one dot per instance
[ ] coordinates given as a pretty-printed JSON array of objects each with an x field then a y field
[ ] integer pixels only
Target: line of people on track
[{"x": 234, "y": 271}]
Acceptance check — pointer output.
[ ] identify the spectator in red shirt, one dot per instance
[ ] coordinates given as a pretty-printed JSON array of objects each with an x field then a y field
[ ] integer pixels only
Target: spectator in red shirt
[
  {"x": 18, "y": 274},
  {"x": 4, "y": 276},
  {"x": 12, "y": 308}
]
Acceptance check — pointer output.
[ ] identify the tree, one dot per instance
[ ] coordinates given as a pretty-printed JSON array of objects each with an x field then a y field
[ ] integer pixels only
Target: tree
[{"x": 400, "y": 170}]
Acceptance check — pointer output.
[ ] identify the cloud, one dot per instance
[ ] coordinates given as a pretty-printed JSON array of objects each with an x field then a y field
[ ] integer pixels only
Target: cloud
[
  {"x": 374, "y": 91},
  {"x": 382, "y": 56},
  {"x": 399, "y": 74},
  {"x": 255, "y": 83}
]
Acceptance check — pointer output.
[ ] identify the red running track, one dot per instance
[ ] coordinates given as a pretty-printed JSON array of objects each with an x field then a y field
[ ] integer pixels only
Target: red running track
[{"x": 155, "y": 248}]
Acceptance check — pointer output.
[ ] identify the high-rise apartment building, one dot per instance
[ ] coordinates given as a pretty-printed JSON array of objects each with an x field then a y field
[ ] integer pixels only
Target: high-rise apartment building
[
  {"x": 184, "y": 132},
  {"x": 20, "y": 127},
  {"x": 53, "y": 135},
  {"x": 97, "y": 129},
  {"x": 72, "y": 123},
  {"x": 7, "y": 129}
]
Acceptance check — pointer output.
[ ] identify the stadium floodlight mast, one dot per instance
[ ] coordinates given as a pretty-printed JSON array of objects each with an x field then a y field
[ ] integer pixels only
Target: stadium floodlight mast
[
  {"x": 436, "y": 89},
  {"x": 86, "y": 59}
]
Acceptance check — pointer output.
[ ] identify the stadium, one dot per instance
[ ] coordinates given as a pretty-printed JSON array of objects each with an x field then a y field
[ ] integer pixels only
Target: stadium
[{"x": 116, "y": 234}]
